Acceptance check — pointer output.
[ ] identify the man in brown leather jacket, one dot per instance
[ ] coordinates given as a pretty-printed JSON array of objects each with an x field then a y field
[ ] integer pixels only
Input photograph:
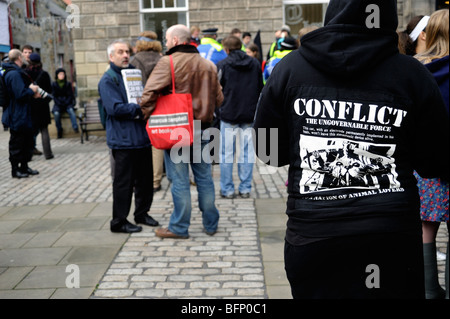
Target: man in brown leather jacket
[{"x": 197, "y": 76}]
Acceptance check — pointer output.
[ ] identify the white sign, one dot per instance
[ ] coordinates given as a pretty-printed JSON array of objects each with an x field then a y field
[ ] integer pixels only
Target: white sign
[{"x": 132, "y": 79}]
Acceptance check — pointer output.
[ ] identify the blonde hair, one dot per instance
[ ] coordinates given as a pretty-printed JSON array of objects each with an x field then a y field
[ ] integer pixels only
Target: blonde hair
[
  {"x": 437, "y": 37},
  {"x": 143, "y": 45},
  {"x": 194, "y": 28}
]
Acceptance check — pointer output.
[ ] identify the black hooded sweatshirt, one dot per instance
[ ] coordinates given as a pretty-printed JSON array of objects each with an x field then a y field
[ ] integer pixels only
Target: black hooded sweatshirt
[
  {"x": 354, "y": 119},
  {"x": 241, "y": 78}
]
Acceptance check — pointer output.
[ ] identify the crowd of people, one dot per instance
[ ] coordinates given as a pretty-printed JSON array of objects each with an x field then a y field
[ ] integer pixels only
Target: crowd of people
[
  {"x": 358, "y": 113},
  {"x": 26, "y": 114}
]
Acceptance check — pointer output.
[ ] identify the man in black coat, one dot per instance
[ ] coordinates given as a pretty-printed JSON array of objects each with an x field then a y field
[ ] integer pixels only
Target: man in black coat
[
  {"x": 17, "y": 115},
  {"x": 241, "y": 79},
  {"x": 40, "y": 111}
]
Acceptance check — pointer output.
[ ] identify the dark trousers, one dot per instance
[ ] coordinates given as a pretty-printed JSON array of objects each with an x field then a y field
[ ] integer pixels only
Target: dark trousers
[
  {"x": 45, "y": 138},
  {"x": 384, "y": 266},
  {"x": 21, "y": 145},
  {"x": 133, "y": 171}
]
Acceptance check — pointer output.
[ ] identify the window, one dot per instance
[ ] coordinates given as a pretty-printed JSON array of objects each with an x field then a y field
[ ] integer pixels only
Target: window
[
  {"x": 159, "y": 15},
  {"x": 302, "y": 13},
  {"x": 60, "y": 62},
  {"x": 31, "y": 8}
]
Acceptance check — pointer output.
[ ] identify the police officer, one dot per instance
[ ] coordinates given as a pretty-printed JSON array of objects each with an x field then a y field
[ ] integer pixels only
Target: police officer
[
  {"x": 210, "y": 48},
  {"x": 287, "y": 45}
]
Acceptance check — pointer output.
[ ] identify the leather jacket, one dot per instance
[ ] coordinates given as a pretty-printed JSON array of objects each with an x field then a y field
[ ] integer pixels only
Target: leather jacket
[{"x": 193, "y": 74}]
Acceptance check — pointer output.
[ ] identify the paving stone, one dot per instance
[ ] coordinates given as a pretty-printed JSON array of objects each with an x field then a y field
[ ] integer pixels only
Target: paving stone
[{"x": 60, "y": 217}]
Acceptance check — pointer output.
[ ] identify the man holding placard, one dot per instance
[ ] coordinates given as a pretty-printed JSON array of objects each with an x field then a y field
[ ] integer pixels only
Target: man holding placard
[{"x": 127, "y": 138}]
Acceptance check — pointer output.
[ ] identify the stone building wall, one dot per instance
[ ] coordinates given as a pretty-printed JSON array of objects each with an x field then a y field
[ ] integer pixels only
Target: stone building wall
[
  {"x": 101, "y": 22},
  {"x": 46, "y": 32},
  {"x": 246, "y": 15},
  {"x": 408, "y": 9}
]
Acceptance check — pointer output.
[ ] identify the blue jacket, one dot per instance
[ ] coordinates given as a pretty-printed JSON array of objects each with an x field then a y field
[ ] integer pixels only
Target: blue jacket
[
  {"x": 440, "y": 70},
  {"x": 125, "y": 128},
  {"x": 17, "y": 115},
  {"x": 277, "y": 57},
  {"x": 211, "y": 50}
]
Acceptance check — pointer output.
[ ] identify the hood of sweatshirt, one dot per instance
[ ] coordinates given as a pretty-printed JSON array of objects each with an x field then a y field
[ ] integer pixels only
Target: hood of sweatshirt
[
  {"x": 357, "y": 35},
  {"x": 239, "y": 60}
]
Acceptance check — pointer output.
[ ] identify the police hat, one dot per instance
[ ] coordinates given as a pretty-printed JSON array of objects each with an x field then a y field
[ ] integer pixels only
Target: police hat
[
  {"x": 210, "y": 31},
  {"x": 288, "y": 43}
]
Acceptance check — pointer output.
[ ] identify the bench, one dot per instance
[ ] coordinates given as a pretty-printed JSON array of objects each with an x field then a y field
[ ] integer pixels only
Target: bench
[{"x": 90, "y": 120}]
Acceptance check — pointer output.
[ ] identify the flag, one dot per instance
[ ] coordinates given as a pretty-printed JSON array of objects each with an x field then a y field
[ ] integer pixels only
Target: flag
[{"x": 257, "y": 41}]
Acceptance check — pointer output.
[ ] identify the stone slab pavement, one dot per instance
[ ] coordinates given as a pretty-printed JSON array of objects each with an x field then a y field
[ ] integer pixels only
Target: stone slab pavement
[{"x": 59, "y": 219}]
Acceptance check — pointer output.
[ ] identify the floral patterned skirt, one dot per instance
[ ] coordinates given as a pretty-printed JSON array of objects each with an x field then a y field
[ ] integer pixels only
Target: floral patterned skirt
[{"x": 433, "y": 199}]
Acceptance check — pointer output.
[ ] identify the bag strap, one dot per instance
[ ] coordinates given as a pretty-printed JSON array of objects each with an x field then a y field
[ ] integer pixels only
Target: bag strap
[
  {"x": 39, "y": 76},
  {"x": 173, "y": 74},
  {"x": 111, "y": 73}
]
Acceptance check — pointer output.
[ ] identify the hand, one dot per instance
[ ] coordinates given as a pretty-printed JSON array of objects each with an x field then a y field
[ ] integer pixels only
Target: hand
[{"x": 34, "y": 87}]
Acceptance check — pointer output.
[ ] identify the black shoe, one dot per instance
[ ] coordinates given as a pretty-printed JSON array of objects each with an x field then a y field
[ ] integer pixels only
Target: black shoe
[
  {"x": 231, "y": 196},
  {"x": 49, "y": 157},
  {"x": 210, "y": 233},
  {"x": 156, "y": 189},
  {"x": 37, "y": 152},
  {"x": 30, "y": 171},
  {"x": 19, "y": 174},
  {"x": 126, "y": 228},
  {"x": 146, "y": 220},
  {"x": 244, "y": 195}
]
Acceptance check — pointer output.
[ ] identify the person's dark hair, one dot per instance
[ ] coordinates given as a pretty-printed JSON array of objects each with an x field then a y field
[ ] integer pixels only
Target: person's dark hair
[
  {"x": 232, "y": 43},
  {"x": 254, "y": 48},
  {"x": 235, "y": 30},
  {"x": 405, "y": 44},
  {"x": 28, "y": 47},
  {"x": 59, "y": 70}
]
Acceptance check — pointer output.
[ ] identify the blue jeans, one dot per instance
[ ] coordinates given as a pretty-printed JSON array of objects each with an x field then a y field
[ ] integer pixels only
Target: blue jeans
[
  {"x": 73, "y": 119},
  {"x": 245, "y": 161},
  {"x": 178, "y": 174}
]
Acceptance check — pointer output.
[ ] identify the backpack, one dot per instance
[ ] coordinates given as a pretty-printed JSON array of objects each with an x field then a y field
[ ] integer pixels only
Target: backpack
[
  {"x": 4, "y": 94},
  {"x": 101, "y": 109}
]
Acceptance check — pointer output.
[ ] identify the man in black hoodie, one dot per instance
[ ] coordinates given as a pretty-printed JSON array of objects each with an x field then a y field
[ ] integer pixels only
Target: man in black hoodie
[
  {"x": 241, "y": 79},
  {"x": 354, "y": 118}
]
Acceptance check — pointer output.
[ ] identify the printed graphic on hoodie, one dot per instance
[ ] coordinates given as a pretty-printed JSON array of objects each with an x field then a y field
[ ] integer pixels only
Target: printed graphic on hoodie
[
  {"x": 335, "y": 163},
  {"x": 347, "y": 144}
]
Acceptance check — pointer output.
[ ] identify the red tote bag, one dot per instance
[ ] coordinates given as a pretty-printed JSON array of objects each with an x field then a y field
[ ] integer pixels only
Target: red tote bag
[{"x": 172, "y": 122}]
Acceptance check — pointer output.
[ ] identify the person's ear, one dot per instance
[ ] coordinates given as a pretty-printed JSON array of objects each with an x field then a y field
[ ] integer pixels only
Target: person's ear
[{"x": 423, "y": 36}]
